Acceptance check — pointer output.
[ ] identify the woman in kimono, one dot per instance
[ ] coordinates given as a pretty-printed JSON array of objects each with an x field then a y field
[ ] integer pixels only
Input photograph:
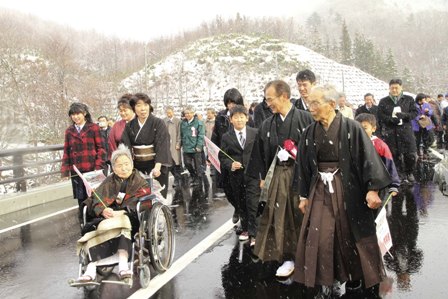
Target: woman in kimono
[
  {"x": 111, "y": 241},
  {"x": 279, "y": 225},
  {"x": 149, "y": 140},
  {"x": 340, "y": 174}
]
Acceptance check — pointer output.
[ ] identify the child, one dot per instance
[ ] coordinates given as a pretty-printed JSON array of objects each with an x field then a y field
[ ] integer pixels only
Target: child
[
  {"x": 368, "y": 122},
  {"x": 238, "y": 144}
]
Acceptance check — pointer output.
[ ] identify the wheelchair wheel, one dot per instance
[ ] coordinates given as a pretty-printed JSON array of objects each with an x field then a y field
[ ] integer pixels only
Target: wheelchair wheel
[
  {"x": 145, "y": 276},
  {"x": 161, "y": 237}
]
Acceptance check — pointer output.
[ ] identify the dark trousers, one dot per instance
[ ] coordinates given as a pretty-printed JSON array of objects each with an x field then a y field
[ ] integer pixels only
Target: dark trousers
[
  {"x": 245, "y": 195},
  {"x": 224, "y": 183},
  {"x": 176, "y": 171},
  {"x": 80, "y": 193},
  {"x": 405, "y": 162},
  {"x": 193, "y": 162},
  {"x": 440, "y": 142},
  {"x": 425, "y": 138}
]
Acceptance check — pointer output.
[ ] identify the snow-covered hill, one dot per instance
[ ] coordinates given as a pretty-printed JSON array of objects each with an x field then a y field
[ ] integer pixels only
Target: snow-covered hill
[{"x": 201, "y": 73}]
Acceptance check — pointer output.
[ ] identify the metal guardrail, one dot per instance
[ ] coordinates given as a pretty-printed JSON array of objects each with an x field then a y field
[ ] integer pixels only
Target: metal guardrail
[{"x": 25, "y": 167}]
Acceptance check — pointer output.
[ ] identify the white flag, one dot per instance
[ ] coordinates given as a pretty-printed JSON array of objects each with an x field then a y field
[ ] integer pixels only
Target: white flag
[
  {"x": 383, "y": 232},
  {"x": 213, "y": 154},
  {"x": 91, "y": 179}
]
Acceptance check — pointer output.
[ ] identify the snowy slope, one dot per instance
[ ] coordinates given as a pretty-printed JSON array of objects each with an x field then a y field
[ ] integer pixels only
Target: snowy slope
[{"x": 202, "y": 72}]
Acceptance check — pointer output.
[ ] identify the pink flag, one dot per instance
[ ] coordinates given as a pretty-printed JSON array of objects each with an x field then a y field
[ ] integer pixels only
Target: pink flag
[{"x": 213, "y": 153}]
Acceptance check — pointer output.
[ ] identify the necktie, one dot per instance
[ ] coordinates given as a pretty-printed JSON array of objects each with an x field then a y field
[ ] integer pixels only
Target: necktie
[
  {"x": 78, "y": 128},
  {"x": 242, "y": 140}
]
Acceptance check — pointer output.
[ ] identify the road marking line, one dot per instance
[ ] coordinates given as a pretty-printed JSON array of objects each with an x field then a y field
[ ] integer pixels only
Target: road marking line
[
  {"x": 160, "y": 280},
  {"x": 37, "y": 219},
  {"x": 437, "y": 154}
]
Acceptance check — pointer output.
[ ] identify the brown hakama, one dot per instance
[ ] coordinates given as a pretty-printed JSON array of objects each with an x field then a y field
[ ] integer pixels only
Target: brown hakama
[
  {"x": 279, "y": 225},
  {"x": 326, "y": 249}
]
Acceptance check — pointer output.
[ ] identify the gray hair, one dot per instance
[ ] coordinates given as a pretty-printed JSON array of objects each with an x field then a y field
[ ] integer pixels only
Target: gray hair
[
  {"x": 169, "y": 108},
  {"x": 211, "y": 110},
  {"x": 122, "y": 150},
  {"x": 189, "y": 108},
  {"x": 342, "y": 95},
  {"x": 329, "y": 93}
]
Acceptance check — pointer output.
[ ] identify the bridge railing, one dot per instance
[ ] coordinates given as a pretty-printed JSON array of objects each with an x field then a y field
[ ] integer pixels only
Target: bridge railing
[{"x": 25, "y": 167}]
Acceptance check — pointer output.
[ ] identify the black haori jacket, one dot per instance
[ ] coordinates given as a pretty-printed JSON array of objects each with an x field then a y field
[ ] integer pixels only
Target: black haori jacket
[
  {"x": 361, "y": 169},
  {"x": 271, "y": 136}
]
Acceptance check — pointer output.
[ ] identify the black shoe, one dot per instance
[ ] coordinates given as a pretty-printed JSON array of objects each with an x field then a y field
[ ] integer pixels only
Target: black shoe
[
  {"x": 411, "y": 178},
  {"x": 238, "y": 230},
  {"x": 235, "y": 217}
]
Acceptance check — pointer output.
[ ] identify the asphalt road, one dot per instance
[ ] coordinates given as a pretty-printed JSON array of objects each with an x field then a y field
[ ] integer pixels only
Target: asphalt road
[{"x": 37, "y": 260}]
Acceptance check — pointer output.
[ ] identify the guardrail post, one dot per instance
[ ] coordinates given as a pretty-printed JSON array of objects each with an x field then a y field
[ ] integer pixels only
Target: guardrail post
[{"x": 19, "y": 172}]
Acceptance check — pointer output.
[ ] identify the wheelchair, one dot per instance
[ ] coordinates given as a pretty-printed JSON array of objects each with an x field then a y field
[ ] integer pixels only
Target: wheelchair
[{"x": 153, "y": 245}]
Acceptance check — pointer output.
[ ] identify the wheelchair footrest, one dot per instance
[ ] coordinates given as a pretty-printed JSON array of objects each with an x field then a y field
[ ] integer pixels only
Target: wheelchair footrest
[
  {"x": 78, "y": 284},
  {"x": 126, "y": 281}
]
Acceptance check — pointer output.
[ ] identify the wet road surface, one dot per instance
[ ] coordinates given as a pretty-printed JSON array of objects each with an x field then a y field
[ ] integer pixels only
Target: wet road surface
[{"x": 37, "y": 260}]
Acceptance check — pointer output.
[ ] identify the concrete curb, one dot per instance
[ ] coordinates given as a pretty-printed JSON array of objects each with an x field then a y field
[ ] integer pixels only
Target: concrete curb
[{"x": 24, "y": 200}]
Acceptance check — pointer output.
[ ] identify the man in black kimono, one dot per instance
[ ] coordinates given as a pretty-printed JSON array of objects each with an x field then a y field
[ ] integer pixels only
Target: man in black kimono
[
  {"x": 305, "y": 81},
  {"x": 277, "y": 141},
  {"x": 340, "y": 175}
]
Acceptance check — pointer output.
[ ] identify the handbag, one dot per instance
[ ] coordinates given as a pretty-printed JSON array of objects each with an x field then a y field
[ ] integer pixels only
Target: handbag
[{"x": 424, "y": 121}]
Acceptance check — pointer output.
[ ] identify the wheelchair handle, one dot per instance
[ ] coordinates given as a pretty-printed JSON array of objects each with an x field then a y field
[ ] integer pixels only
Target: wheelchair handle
[{"x": 146, "y": 198}]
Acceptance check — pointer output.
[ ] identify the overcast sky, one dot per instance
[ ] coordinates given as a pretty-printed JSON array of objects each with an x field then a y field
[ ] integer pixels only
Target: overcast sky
[{"x": 147, "y": 19}]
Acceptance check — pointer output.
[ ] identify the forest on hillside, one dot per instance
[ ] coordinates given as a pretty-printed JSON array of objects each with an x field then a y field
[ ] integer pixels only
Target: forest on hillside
[{"x": 44, "y": 66}]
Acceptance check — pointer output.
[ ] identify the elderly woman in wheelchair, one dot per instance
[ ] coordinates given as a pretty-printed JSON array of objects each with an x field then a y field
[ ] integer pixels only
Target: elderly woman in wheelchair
[{"x": 125, "y": 216}]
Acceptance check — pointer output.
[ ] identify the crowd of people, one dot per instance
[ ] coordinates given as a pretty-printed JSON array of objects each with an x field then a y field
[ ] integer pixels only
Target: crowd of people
[{"x": 304, "y": 176}]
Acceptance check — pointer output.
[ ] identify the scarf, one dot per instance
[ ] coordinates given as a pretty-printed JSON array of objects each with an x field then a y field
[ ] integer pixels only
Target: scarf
[{"x": 396, "y": 98}]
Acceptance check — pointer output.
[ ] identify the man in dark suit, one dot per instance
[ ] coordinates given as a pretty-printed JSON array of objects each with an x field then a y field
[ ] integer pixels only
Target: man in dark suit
[
  {"x": 370, "y": 108},
  {"x": 237, "y": 145}
]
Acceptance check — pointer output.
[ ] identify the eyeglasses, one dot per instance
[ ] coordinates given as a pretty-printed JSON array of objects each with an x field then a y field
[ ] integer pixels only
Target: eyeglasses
[
  {"x": 270, "y": 100},
  {"x": 315, "y": 104}
]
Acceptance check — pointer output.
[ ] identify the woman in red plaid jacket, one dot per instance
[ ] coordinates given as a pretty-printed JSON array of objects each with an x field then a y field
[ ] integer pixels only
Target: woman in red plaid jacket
[{"x": 83, "y": 147}]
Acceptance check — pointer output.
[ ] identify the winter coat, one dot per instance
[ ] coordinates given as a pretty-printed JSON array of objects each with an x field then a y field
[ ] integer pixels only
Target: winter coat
[
  {"x": 86, "y": 149},
  {"x": 421, "y": 111},
  {"x": 399, "y": 138},
  {"x": 173, "y": 126},
  {"x": 261, "y": 112},
  {"x": 209, "y": 125},
  {"x": 363, "y": 109},
  {"x": 437, "y": 115},
  {"x": 192, "y": 135}
]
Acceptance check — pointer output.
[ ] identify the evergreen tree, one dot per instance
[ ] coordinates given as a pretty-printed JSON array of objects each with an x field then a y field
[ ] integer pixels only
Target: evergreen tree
[
  {"x": 379, "y": 66},
  {"x": 390, "y": 66},
  {"x": 346, "y": 46},
  {"x": 314, "y": 20},
  {"x": 364, "y": 54},
  {"x": 408, "y": 80},
  {"x": 316, "y": 42}
]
